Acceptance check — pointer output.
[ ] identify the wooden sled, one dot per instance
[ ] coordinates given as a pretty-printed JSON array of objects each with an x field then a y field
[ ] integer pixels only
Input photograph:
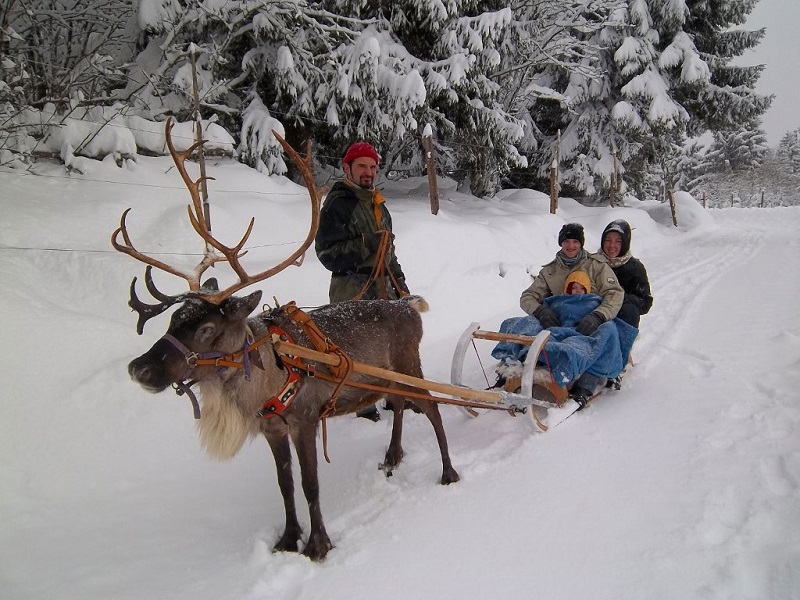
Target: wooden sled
[{"x": 549, "y": 403}]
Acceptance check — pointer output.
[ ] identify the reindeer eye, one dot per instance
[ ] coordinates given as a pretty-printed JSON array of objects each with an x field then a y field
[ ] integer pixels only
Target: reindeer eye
[{"x": 205, "y": 332}]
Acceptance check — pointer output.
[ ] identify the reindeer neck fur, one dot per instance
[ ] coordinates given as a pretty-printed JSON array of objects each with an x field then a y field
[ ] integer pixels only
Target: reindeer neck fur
[{"x": 230, "y": 403}]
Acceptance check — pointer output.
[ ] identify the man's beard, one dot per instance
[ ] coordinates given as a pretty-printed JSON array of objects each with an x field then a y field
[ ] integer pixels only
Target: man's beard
[{"x": 365, "y": 182}]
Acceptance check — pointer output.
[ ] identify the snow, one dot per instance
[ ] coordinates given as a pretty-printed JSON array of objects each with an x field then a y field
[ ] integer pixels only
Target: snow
[{"x": 684, "y": 484}]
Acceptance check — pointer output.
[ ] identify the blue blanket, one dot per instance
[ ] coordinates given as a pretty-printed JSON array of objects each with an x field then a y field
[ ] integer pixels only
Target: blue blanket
[{"x": 570, "y": 354}]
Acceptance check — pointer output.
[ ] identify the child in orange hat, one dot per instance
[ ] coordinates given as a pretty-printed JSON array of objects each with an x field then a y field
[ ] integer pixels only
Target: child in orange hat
[{"x": 578, "y": 282}]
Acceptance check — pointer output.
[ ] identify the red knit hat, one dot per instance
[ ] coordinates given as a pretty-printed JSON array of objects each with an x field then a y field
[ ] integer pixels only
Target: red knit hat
[{"x": 360, "y": 150}]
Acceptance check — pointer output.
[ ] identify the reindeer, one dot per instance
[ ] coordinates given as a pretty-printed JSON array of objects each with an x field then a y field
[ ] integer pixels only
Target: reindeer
[{"x": 248, "y": 388}]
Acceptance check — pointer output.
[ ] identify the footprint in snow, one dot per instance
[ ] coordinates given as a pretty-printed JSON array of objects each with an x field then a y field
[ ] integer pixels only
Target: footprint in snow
[
  {"x": 773, "y": 470},
  {"x": 724, "y": 515}
]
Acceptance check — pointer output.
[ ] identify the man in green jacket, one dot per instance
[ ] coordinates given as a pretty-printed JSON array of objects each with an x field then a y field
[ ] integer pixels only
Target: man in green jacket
[{"x": 355, "y": 240}]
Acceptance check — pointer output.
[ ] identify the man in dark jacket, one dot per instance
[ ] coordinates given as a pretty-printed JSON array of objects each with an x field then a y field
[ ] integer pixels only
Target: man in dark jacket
[
  {"x": 355, "y": 240},
  {"x": 615, "y": 245}
]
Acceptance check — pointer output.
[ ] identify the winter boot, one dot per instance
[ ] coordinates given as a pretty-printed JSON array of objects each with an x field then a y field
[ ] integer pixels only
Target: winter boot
[{"x": 581, "y": 396}]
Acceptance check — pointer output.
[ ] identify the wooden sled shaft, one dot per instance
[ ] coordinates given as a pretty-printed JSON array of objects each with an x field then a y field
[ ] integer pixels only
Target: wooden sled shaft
[{"x": 483, "y": 396}]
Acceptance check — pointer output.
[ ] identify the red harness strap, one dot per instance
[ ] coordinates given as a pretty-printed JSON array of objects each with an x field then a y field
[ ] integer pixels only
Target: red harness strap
[{"x": 277, "y": 404}]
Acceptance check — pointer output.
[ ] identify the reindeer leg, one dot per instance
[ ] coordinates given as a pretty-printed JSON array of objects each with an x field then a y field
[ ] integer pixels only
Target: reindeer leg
[
  {"x": 412, "y": 366},
  {"x": 431, "y": 410},
  {"x": 279, "y": 443},
  {"x": 304, "y": 437},
  {"x": 394, "y": 453}
]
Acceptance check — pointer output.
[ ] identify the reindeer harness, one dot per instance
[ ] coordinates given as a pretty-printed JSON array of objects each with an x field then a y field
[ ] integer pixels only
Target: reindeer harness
[{"x": 275, "y": 405}]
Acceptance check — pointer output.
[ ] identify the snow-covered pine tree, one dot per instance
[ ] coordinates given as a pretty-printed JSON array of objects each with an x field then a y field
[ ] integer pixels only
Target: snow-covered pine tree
[
  {"x": 466, "y": 100},
  {"x": 340, "y": 70},
  {"x": 257, "y": 61},
  {"x": 546, "y": 41},
  {"x": 691, "y": 168},
  {"x": 741, "y": 149},
  {"x": 729, "y": 97},
  {"x": 659, "y": 85},
  {"x": 788, "y": 152},
  {"x": 430, "y": 63},
  {"x": 550, "y": 42}
]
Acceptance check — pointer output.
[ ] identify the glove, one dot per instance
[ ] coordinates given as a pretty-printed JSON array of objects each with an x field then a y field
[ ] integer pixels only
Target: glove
[
  {"x": 635, "y": 301},
  {"x": 547, "y": 317},
  {"x": 401, "y": 288},
  {"x": 589, "y": 324}
]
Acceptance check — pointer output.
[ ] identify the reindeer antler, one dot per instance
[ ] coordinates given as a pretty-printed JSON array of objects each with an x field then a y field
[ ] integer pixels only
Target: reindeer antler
[{"x": 229, "y": 254}]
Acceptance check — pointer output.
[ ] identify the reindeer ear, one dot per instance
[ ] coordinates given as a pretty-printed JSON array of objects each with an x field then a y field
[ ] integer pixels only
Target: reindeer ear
[
  {"x": 236, "y": 308},
  {"x": 211, "y": 284}
]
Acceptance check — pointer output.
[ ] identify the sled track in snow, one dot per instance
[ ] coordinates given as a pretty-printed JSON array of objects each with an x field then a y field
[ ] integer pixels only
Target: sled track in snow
[{"x": 679, "y": 286}]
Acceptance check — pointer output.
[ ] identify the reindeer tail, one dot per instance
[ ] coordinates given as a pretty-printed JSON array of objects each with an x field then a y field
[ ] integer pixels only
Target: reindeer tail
[{"x": 418, "y": 303}]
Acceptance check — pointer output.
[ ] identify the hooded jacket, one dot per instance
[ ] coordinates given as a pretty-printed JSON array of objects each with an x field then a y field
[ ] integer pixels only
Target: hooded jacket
[{"x": 630, "y": 271}]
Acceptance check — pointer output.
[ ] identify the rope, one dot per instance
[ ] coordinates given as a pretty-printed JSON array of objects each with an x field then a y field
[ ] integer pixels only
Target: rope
[
  {"x": 378, "y": 267},
  {"x": 480, "y": 362}
]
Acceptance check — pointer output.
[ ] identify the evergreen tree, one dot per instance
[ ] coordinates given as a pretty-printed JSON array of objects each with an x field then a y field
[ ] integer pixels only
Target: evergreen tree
[
  {"x": 339, "y": 71},
  {"x": 691, "y": 168},
  {"x": 254, "y": 62},
  {"x": 666, "y": 66},
  {"x": 424, "y": 62},
  {"x": 729, "y": 97},
  {"x": 738, "y": 150},
  {"x": 788, "y": 152},
  {"x": 547, "y": 41}
]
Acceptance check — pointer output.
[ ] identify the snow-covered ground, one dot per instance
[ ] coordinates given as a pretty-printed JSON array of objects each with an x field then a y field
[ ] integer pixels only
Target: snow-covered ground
[{"x": 685, "y": 484}]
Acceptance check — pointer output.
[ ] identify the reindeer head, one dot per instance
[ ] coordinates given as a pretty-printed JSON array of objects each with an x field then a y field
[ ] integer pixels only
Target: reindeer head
[{"x": 198, "y": 330}]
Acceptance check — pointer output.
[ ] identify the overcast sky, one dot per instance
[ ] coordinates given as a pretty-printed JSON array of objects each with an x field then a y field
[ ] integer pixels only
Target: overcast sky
[{"x": 780, "y": 52}]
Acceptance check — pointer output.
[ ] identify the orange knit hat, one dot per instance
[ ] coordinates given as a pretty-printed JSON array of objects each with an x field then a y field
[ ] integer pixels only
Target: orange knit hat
[{"x": 579, "y": 277}]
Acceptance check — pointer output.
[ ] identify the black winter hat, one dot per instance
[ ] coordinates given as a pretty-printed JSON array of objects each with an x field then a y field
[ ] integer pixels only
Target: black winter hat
[
  {"x": 623, "y": 228},
  {"x": 571, "y": 231}
]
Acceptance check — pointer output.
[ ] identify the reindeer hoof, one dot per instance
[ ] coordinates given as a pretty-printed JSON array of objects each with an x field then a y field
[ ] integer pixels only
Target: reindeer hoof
[
  {"x": 285, "y": 545},
  {"x": 450, "y": 476},
  {"x": 318, "y": 549},
  {"x": 387, "y": 470}
]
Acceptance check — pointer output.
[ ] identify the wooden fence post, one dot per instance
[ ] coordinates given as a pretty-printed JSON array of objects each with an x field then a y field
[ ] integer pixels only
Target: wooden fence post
[
  {"x": 433, "y": 190},
  {"x": 554, "y": 187},
  {"x": 673, "y": 208},
  {"x": 612, "y": 198}
]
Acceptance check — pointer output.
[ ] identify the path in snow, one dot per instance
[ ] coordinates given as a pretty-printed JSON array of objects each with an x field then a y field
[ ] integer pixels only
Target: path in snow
[{"x": 719, "y": 306}]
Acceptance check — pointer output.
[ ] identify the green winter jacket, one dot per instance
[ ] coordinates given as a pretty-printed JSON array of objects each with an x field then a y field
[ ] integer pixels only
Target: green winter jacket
[
  {"x": 551, "y": 279},
  {"x": 346, "y": 243}
]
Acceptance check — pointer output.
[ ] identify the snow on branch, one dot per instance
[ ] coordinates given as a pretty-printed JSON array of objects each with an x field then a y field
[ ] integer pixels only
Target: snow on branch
[{"x": 258, "y": 147}]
